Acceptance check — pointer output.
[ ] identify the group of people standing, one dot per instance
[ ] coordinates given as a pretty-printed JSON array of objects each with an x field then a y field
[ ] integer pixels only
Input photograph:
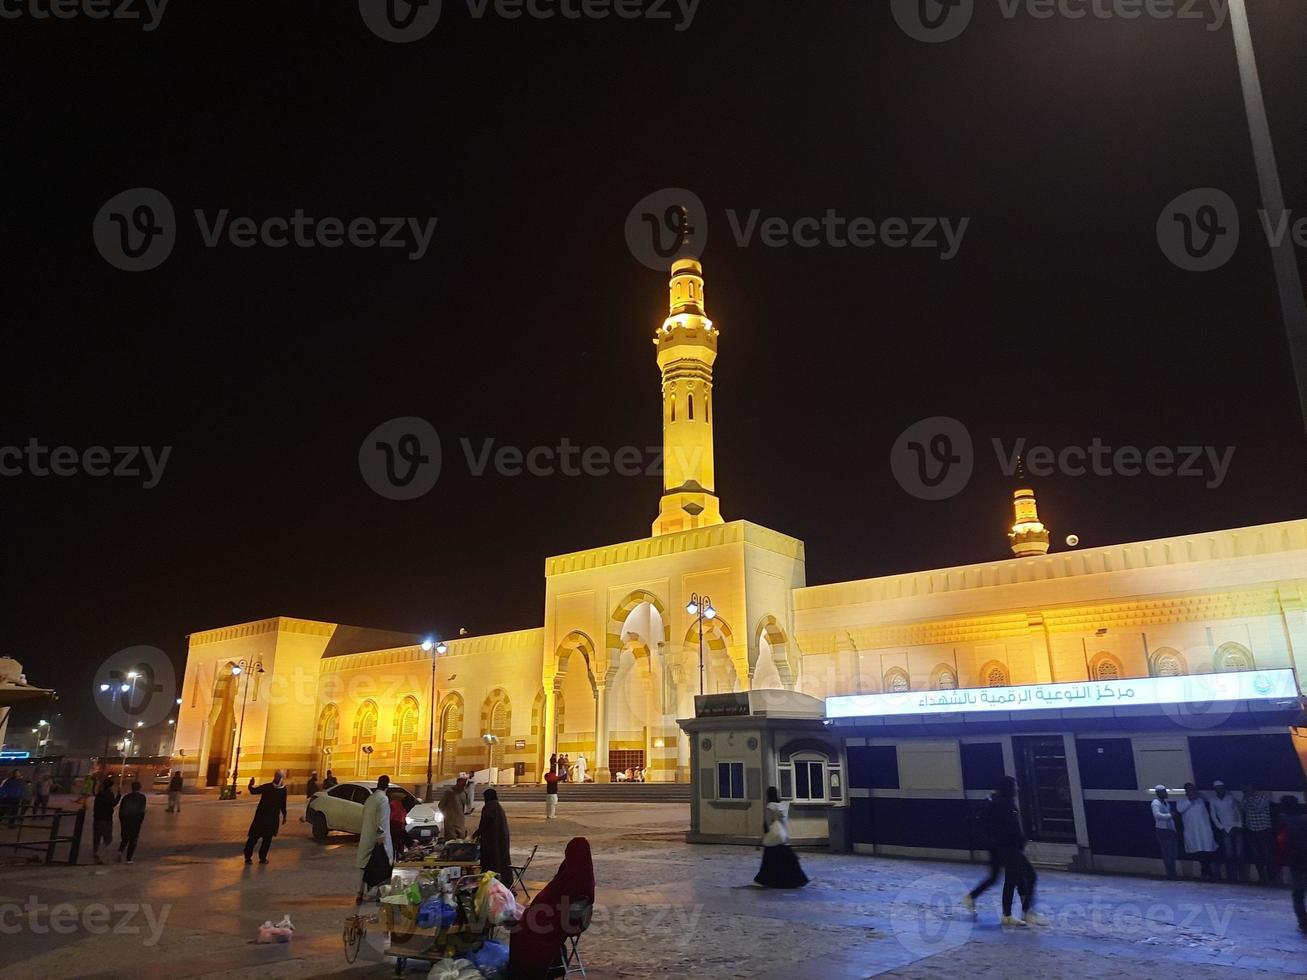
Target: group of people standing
[
  {"x": 567, "y": 770},
  {"x": 1221, "y": 832},
  {"x": 15, "y": 791}
]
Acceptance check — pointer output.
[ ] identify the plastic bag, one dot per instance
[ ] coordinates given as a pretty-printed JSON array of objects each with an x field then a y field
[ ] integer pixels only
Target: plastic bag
[
  {"x": 279, "y": 933},
  {"x": 459, "y": 969},
  {"x": 435, "y": 914},
  {"x": 491, "y": 958},
  {"x": 494, "y": 902}
]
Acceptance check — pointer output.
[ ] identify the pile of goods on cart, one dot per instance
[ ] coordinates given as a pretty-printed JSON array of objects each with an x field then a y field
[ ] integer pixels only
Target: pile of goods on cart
[{"x": 443, "y": 915}]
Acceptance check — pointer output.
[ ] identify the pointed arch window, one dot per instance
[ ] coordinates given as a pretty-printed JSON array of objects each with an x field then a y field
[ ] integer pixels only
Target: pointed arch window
[
  {"x": 1233, "y": 657},
  {"x": 897, "y": 682},
  {"x": 1106, "y": 668},
  {"x": 673, "y": 408}
]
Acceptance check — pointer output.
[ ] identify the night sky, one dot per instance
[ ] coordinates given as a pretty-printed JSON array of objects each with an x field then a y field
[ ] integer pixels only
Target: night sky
[{"x": 529, "y": 320}]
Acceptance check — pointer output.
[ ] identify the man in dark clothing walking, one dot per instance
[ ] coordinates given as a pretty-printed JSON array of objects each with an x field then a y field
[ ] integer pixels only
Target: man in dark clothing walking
[
  {"x": 272, "y": 800},
  {"x": 102, "y": 817},
  {"x": 1294, "y": 824},
  {"x": 1007, "y": 841},
  {"x": 995, "y": 860},
  {"x": 131, "y": 814},
  {"x": 330, "y": 781}
]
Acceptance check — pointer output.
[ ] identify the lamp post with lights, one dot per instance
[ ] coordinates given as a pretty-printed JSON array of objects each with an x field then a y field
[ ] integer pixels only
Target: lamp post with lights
[
  {"x": 238, "y": 668},
  {"x": 701, "y": 608},
  {"x": 435, "y": 648}
]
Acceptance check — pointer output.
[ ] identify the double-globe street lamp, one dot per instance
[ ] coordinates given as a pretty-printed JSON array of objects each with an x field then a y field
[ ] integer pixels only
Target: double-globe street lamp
[
  {"x": 700, "y": 607},
  {"x": 238, "y": 668}
]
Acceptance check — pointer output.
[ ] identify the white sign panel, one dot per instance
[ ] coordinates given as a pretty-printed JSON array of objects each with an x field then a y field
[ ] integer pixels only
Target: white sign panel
[{"x": 1190, "y": 688}]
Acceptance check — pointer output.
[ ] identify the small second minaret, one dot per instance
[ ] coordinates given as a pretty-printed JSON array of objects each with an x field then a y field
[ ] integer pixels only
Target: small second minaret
[
  {"x": 687, "y": 348},
  {"x": 1028, "y": 537}
]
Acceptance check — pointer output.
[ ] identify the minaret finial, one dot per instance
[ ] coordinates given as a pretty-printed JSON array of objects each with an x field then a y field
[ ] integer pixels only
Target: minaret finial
[{"x": 1028, "y": 537}]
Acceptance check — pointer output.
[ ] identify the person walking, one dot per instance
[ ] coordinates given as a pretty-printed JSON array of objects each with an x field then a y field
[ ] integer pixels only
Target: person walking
[
  {"x": 492, "y": 832},
  {"x": 102, "y": 817},
  {"x": 131, "y": 814},
  {"x": 264, "y": 826},
  {"x": 780, "y": 865},
  {"x": 1294, "y": 853},
  {"x": 551, "y": 795},
  {"x": 88, "y": 789},
  {"x": 453, "y": 806},
  {"x": 1259, "y": 838},
  {"x": 41, "y": 788},
  {"x": 1164, "y": 826},
  {"x": 330, "y": 781},
  {"x": 398, "y": 822},
  {"x": 375, "y": 865},
  {"x": 553, "y": 763},
  {"x": 311, "y": 790},
  {"x": 581, "y": 766},
  {"x": 1008, "y": 837},
  {"x": 11, "y": 796},
  {"x": 1227, "y": 821},
  {"x": 175, "y": 792},
  {"x": 995, "y": 860},
  {"x": 1196, "y": 822}
]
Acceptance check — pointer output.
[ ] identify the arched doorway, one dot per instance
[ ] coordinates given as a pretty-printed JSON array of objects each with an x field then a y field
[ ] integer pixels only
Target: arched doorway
[
  {"x": 772, "y": 669},
  {"x": 641, "y": 697},
  {"x": 365, "y": 733},
  {"x": 575, "y": 692},
  {"x": 497, "y": 720},
  {"x": 328, "y": 736},
  {"x": 719, "y": 673},
  {"x": 448, "y": 734},
  {"x": 222, "y": 727},
  {"x": 406, "y": 737}
]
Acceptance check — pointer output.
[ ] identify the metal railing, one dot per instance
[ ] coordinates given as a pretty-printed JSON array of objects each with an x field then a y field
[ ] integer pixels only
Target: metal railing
[{"x": 48, "y": 822}]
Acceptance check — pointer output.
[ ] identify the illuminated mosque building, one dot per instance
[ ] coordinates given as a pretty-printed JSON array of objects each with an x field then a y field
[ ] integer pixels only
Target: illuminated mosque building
[{"x": 616, "y": 662}]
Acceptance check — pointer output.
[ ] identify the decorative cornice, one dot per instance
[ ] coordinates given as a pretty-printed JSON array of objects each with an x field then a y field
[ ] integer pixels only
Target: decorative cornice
[
  {"x": 518, "y": 641},
  {"x": 277, "y": 624},
  {"x": 1265, "y": 539},
  {"x": 736, "y": 532}
]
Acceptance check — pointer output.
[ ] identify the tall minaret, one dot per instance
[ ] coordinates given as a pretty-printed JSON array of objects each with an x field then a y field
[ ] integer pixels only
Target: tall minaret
[
  {"x": 687, "y": 347},
  {"x": 1028, "y": 537}
]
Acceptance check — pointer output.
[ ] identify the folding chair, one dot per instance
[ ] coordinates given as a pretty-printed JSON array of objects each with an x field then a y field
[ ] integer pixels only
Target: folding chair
[
  {"x": 569, "y": 956},
  {"x": 519, "y": 874}
]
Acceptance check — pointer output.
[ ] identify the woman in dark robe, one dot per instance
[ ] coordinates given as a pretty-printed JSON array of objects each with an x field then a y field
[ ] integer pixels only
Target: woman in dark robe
[
  {"x": 535, "y": 942},
  {"x": 780, "y": 865},
  {"x": 492, "y": 833},
  {"x": 269, "y": 816}
]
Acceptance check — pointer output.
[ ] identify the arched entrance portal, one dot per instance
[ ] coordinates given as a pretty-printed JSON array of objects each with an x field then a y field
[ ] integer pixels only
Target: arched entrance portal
[
  {"x": 570, "y": 725},
  {"x": 640, "y": 693},
  {"x": 449, "y": 730},
  {"x": 222, "y": 728}
]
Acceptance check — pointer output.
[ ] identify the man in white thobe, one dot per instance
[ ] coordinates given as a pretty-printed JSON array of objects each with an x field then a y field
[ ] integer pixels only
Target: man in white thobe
[
  {"x": 375, "y": 830},
  {"x": 580, "y": 768}
]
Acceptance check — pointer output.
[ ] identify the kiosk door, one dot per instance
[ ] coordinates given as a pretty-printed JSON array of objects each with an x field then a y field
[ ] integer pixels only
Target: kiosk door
[{"x": 1044, "y": 786}]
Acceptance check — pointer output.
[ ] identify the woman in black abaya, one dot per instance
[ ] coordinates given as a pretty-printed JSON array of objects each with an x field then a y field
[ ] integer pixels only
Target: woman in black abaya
[{"x": 780, "y": 865}]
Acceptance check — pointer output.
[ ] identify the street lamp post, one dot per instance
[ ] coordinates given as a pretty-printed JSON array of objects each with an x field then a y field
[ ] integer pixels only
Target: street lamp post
[
  {"x": 701, "y": 608},
  {"x": 435, "y": 648},
  {"x": 1287, "y": 278},
  {"x": 238, "y": 668}
]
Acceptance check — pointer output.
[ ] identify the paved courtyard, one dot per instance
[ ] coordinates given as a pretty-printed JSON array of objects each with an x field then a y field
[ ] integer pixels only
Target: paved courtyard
[{"x": 189, "y": 907}]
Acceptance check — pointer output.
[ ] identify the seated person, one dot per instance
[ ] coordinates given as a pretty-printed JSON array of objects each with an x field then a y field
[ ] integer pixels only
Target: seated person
[
  {"x": 533, "y": 952},
  {"x": 622, "y": 777}
]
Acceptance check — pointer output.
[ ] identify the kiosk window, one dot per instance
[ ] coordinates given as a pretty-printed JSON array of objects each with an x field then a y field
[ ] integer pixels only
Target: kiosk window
[{"x": 730, "y": 780}]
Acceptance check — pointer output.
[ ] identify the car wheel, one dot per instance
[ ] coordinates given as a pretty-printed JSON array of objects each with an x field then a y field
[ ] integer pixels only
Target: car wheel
[{"x": 319, "y": 828}]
